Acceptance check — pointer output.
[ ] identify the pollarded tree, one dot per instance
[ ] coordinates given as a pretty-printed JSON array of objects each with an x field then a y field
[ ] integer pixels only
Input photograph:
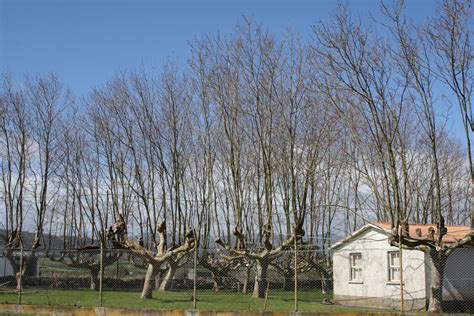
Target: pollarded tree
[
  {"x": 259, "y": 89},
  {"x": 85, "y": 206},
  {"x": 144, "y": 123},
  {"x": 119, "y": 237}
]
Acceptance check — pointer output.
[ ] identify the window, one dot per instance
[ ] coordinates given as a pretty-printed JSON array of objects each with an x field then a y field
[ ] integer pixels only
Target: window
[
  {"x": 356, "y": 267},
  {"x": 394, "y": 266}
]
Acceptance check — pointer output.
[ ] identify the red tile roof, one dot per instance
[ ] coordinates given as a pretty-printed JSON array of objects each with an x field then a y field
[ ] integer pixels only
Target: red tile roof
[{"x": 454, "y": 232}]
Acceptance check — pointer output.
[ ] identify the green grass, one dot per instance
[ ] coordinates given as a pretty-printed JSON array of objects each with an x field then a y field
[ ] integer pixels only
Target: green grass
[
  {"x": 206, "y": 300},
  {"x": 124, "y": 269}
]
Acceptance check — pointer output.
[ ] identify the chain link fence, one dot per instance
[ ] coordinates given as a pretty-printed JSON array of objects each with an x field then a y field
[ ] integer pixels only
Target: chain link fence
[{"x": 305, "y": 280}]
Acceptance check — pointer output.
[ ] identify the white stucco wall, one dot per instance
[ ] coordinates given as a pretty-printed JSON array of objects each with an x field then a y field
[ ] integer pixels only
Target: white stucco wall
[{"x": 374, "y": 247}]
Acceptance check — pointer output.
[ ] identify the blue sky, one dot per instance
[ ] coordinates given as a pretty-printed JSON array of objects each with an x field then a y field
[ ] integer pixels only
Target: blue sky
[{"x": 86, "y": 42}]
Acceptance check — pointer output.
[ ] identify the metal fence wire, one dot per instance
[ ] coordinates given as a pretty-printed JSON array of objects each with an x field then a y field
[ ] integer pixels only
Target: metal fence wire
[{"x": 305, "y": 280}]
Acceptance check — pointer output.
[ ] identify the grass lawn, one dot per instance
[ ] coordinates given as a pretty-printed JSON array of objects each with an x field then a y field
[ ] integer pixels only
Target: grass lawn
[{"x": 206, "y": 300}]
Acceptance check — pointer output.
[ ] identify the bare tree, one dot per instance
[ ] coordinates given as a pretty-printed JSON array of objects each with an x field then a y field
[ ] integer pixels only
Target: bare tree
[
  {"x": 385, "y": 83},
  {"x": 142, "y": 125},
  {"x": 86, "y": 214},
  {"x": 30, "y": 141},
  {"x": 450, "y": 39}
]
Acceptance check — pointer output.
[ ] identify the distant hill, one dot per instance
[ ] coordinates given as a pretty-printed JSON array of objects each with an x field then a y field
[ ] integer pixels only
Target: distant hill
[{"x": 57, "y": 242}]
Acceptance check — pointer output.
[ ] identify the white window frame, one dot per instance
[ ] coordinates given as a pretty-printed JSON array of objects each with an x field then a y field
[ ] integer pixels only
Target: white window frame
[
  {"x": 355, "y": 272},
  {"x": 393, "y": 264}
]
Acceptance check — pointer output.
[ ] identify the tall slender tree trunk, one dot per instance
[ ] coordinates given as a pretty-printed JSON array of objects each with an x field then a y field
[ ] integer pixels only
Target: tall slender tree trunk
[
  {"x": 151, "y": 273},
  {"x": 260, "y": 280},
  {"x": 472, "y": 199},
  {"x": 437, "y": 263}
]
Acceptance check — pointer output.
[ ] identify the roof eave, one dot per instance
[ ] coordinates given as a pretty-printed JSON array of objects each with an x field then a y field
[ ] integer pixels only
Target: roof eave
[{"x": 357, "y": 233}]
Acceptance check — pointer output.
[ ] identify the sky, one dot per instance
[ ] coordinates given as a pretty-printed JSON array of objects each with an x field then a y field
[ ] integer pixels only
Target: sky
[{"x": 86, "y": 42}]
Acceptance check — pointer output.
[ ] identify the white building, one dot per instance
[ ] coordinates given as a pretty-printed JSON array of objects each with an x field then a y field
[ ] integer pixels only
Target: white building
[
  {"x": 366, "y": 270},
  {"x": 5, "y": 267}
]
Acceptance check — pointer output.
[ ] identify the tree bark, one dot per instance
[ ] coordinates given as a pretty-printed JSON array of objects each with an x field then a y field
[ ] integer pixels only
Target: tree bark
[
  {"x": 17, "y": 270},
  {"x": 151, "y": 273},
  {"x": 246, "y": 280},
  {"x": 166, "y": 282},
  {"x": 218, "y": 282},
  {"x": 260, "y": 280},
  {"x": 94, "y": 278},
  {"x": 288, "y": 282},
  {"x": 324, "y": 284},
  {"x": 159, "y": 277},
  {"x": 20, "y": 271},
  {"x": 19, "y": 283},
  {"x": 219, "y": 278},
  {"x": 437, "y": 263}
]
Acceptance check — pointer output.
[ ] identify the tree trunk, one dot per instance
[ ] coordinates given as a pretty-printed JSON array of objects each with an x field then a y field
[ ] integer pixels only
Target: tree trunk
[
  {"x": 246, "y": 280},
  {"x": 218, "y": 281},
  {"x": 260, "y": 280},
  {"x": 158, "y": 278},
  {"x": 19, "y": 281},
  {"x": 437, "y": 263},
  {"x": 324, "y": 283},
  {"x": 166, "y": 282},
  {"x": 151, "y": 273},
  {"x": 472, "y": 197},
  {"x": 18, "y": 271},
  {"x": 94, "y": 278},
  {"x": 288, "y": 282}
]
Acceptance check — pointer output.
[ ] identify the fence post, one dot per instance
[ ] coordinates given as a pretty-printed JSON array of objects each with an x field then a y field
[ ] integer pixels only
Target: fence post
[
  {"x": 296, "y": 271},
  {"x": 195, "y": 267},
  {"x": 101, "y": 275}
]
